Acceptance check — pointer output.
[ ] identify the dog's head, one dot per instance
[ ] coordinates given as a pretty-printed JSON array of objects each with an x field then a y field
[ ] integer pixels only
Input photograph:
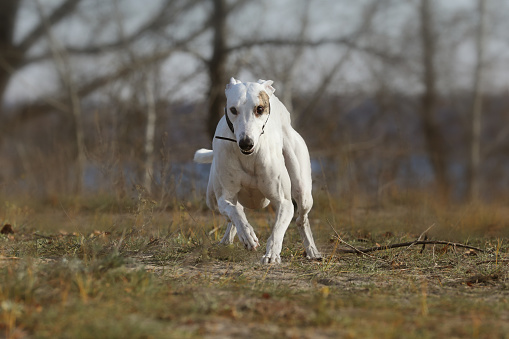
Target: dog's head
[{"x": 248, "y": 108}]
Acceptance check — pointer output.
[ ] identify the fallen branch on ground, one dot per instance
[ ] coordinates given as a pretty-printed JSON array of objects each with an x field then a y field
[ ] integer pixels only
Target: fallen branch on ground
[
  {"x": 405, "y": 244},
  {"x": 408, "y": 244}
]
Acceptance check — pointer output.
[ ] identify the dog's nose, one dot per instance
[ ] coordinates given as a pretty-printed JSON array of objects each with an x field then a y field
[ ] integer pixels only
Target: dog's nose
[{"x": 246, "y": 144}]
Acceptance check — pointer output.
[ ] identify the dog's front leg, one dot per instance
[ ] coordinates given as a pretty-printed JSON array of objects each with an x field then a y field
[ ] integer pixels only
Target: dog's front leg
[
  {"x": 229, "y": 235},
  {"x": 284, "y": 214},
  {"x": 235, "y": 213}
]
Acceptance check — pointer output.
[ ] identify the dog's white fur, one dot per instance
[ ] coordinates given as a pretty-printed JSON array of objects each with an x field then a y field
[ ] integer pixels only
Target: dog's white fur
[{"x": 278, "y": 169}]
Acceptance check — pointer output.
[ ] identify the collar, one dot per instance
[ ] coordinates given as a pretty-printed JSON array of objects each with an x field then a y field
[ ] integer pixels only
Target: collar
[{"x": 228, "y": 121}]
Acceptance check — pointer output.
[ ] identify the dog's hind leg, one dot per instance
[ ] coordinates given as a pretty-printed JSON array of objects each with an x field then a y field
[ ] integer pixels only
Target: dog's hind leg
[
  {"x": 229, "y": 235},
  {"x": 306, "y": 235},
  {"x": 304, "y": 200},
  {"x": 298, "y": 165}
]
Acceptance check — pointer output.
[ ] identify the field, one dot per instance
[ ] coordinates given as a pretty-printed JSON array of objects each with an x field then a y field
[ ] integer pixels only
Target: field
[{"x": 102, "y": 268}]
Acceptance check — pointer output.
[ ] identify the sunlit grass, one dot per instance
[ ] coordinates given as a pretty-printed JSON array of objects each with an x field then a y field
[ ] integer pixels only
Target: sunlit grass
[{"x": 85, "y": 269}]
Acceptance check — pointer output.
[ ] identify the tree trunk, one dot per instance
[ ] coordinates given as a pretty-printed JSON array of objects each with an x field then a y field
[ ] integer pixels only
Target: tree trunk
[
  {"x": 149, "y": 135},
  {"x": 435, "y": 143},
  {"x": 476, "y": 111},
  {"x": 8, "y": 52},
  {"x": 217, "y": 66}
]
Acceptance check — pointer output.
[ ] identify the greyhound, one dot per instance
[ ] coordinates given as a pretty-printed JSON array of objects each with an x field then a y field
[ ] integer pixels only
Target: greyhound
[{"x": 257, "y": 159}]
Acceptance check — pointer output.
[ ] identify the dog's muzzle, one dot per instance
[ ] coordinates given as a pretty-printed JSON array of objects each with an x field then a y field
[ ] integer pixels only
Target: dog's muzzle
[{"x": 246, "y": 145}]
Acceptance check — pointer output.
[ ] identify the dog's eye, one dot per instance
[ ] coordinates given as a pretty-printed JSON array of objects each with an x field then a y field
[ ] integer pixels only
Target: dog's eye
[
  {"x": 233, "y": 110},
  {"x": 260, "y": 109}
]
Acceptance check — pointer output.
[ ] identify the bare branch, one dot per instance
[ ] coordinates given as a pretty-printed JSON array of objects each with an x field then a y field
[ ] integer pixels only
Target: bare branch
[
  {"x": 93, "y": 50},
  {"x": 166, "y": 14},
  {"x": 344, "y": 41},
  {"x": 364, "y": 27},
  {"x": 58, "y": 14}
]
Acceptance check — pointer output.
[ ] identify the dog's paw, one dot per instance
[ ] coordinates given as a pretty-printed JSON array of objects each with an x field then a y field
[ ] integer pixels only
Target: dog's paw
[
  {"x": 226, "y": 241},
  {"x": 313, "y": 254},
  {"x": 271, "y": 258},
  {"x": 248, "y": 237},
  {"x": 229, "y": 235}
]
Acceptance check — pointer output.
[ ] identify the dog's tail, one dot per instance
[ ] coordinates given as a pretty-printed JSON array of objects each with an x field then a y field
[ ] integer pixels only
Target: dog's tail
[{"x": 204, "y": 156}]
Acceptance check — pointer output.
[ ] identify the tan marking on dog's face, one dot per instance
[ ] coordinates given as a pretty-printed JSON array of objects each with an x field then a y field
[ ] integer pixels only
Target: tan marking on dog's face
[{"x": 263, "y": 103}]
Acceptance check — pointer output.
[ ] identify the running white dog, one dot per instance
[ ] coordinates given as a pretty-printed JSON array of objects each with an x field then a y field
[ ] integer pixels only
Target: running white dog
[{"x": 259, "y": 158}]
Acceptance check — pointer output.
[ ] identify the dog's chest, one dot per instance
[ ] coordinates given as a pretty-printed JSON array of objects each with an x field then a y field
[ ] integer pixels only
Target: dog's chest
[
  {"x": 249, "y": 174},
  {"x": 254, "y": 174}
]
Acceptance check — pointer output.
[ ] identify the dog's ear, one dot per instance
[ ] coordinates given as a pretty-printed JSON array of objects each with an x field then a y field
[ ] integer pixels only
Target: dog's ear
[
  {"x": 232, "y": 82},
  {"x": 267, "y": 85}
]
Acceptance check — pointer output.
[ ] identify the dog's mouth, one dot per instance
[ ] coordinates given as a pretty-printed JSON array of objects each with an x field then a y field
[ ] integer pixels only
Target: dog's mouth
[{"x": 247, "y": 152}]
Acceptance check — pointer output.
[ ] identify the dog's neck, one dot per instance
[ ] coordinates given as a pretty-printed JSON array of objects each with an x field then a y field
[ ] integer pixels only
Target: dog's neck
[{"x": 228, "y": 121}]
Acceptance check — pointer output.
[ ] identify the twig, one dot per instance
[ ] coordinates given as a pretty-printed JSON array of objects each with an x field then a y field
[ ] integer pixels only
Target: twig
[
  {"x": 420, "y": 238},
  {"x": 214, "y": 230},
  {"x": 53, "y": 237},
  {"x": 352, "y": 248},
  {"x": 117, "y": 246},
  {"x": 493, "y": 261},
  {"x": 404, "y": 244},
  {"x": 150, "y": 243}
]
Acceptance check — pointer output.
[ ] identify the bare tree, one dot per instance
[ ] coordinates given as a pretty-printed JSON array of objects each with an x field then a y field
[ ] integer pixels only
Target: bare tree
[
  {"x": 8, "y": 52},
  {"x": 13, "y": 55},
  {"x": 435, "y": 143},
  {"x": 476, "y": 110},
  {"x": 16, "y": 57},
  {"x": 217, "y": 64},
  {"x": 64, "y": 69}
]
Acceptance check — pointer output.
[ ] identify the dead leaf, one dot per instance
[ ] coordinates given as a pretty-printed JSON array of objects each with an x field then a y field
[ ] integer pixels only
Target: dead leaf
[
  {"x": 398, "y": 264},
  {"x": 7, "y": 229},
  {"x": 470, "y": 252},
  {"x": 444, "y": 249},
  {"x": 99, "y": 234}
]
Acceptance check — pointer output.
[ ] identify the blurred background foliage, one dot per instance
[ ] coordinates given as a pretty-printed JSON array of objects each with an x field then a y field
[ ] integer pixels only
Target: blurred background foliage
[{"x": 98, "y": 97}]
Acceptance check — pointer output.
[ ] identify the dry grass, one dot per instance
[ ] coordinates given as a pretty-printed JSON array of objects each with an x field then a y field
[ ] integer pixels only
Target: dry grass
[{"x": 96, "y": 268}]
